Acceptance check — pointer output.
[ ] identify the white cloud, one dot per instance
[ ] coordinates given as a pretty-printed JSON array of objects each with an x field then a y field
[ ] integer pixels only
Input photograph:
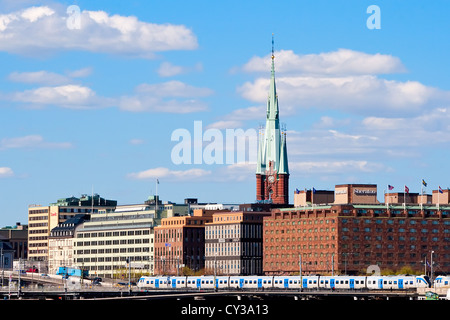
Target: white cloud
[
  {"x": 31, "y": 142},
  {"x": 45, "y": 29},
  {"x": 364, "y": 94},
  {"x": 173, "y": 89},
  {"x": 6, "y": 172},
  {"x": 342, "y": 166},
  {"x": 340, "y": 62},
  {"x": 41, "y": 77},
  {"x": 49, "y": 78},
  {"x": 170, "y": 97},
  {"x": 175, "y": 175},
  {"x": 136, "y": 141},
  {"x": 343, "y": 80},
  {"x": 167, "y": 69},
  {"x": 67, "y": 96}
]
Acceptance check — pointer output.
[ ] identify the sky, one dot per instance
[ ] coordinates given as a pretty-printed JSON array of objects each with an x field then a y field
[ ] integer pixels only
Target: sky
[{"x": 112, "y": 96}]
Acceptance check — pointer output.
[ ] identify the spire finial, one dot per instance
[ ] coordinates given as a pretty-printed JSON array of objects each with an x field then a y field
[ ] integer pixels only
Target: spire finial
[{"x": 273, "y": 56}]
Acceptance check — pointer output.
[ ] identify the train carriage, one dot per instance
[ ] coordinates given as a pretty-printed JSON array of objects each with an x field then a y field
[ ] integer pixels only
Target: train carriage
[
  {"x": 442, "y": 282},
  {"x": 290, "y": 282}
]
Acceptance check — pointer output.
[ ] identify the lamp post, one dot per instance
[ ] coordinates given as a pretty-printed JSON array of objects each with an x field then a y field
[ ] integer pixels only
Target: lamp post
[
  {"x": 431, "y": 267},
  {"x": 300, "y": 269}
]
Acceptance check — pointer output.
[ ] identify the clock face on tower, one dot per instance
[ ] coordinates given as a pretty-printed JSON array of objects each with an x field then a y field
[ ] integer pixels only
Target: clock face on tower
[{"x": 271, "y": 179}]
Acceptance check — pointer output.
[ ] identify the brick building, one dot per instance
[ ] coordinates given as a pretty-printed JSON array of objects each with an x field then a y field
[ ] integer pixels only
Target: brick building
[
  {"x": 348, "y": 238},
  {"x": 180, "y": 241}
]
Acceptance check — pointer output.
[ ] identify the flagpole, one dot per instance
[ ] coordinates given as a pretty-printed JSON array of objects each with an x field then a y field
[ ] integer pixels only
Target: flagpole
[
  {"x": 404, "y": 198},
  {"x": 156, "y": 197},
  {"x": 439, "y": 191},
  {"x": 386, "y": 197},
  {"x": 421, "y": 195}
]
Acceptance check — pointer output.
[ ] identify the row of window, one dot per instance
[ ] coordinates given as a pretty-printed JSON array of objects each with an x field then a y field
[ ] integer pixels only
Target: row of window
[
  {"x": 412, "y": 230},
  {"x": 112, "y": 234},
  {"x": 392, "y": 221}
]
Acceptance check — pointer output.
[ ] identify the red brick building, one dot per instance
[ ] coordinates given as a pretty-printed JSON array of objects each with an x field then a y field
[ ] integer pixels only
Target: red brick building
[
  {"x": 180, "y": 241},
  {"x": 348, "y": 238}
]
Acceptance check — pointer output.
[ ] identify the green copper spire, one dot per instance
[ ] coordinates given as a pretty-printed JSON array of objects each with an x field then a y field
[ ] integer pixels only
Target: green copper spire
[{"x": 271, "y": 145}]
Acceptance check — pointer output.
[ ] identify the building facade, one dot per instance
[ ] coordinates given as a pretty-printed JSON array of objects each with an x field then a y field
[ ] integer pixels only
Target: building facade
[
  {"x": 42, "y": 219},
  {"x": 349, "y": 238},
  {"x": 108, "y": 240},
  {"x": 272, "y": 172},
  {"x": 61, "y": 243},
  {"x": 233, "y": 243},
  {"x": 180, "y": 243},
  {"x": 17, "y": 238}
]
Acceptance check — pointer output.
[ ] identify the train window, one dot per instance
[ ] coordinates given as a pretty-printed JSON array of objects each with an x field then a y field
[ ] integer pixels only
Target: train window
[{"x": 346, "y": 281}]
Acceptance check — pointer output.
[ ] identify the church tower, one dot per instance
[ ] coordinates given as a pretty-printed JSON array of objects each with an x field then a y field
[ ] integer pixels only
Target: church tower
[{"x": 272, "y": 173}]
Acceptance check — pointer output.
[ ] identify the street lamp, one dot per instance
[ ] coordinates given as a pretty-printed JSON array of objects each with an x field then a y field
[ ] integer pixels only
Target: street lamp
[{"x": 431, "y": 267}]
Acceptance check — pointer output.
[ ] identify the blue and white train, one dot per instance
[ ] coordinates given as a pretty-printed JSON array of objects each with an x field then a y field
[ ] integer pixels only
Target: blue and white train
[
  {"x": 284, "y": 282},
  {"x": 442, "y": 282}
]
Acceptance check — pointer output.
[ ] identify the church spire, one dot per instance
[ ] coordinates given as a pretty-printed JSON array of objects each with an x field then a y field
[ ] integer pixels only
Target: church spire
[{"x": 272, "y": 173}]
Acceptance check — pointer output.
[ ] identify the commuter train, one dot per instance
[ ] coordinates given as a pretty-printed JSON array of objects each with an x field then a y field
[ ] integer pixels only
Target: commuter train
[
  {"x": 442, "y": 282},
  {"x": 284, "y": 282}
]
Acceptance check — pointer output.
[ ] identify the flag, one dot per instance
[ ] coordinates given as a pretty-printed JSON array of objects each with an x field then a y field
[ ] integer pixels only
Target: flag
[
  {"x": 314, "y": 190},
  {"x": 390, "y": 187},
  {"x": 424, "y": 183},
  {"x": 440, "y": 190},
  {"x": 157, "y": 181},
  {"x": 297, "y": 191},
  {"x": 406, "y": 189}
]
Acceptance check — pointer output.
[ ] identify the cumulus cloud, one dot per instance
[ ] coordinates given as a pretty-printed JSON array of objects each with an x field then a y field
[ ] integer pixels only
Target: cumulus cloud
[
  {"x": 170, "y": 97},
  {"x": 340, "y": 62},
  {"x": 360, "y": 94},
  {"x": 175, "y": 175},
  {"x": 70, "y": 96},
  {"x": 167, "y": 69},
  {"x": 344, "y": 80},
  {"x": 6, "y": 172},
  {"x": 31, "y": 142},
  {"x": 50, "y": 29},
  {"x": 330, "y": 166}
]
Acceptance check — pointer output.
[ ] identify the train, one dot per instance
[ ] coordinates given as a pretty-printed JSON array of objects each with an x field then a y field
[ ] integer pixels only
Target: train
[
  {"x": 68, "y": 272},
  {"x": 442, "y": 282},
  {"x": 403, "y": 282}
]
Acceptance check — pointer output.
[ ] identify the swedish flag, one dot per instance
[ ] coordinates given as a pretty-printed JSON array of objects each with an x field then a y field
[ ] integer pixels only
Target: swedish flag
[{"x": 424, "y": 183}]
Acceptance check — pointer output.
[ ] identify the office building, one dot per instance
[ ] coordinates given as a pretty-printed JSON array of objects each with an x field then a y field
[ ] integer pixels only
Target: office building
[
  {"x": 42, "y": 219},
  {"x": 233, "y": 243}
]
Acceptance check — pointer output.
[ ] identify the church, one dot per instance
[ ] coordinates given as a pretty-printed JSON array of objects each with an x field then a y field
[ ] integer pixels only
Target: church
[{"x": 272, "y": 172}]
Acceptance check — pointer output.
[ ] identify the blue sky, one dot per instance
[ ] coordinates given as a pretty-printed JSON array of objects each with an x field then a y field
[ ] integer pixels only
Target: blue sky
[{"x": 94, "y": 105}]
